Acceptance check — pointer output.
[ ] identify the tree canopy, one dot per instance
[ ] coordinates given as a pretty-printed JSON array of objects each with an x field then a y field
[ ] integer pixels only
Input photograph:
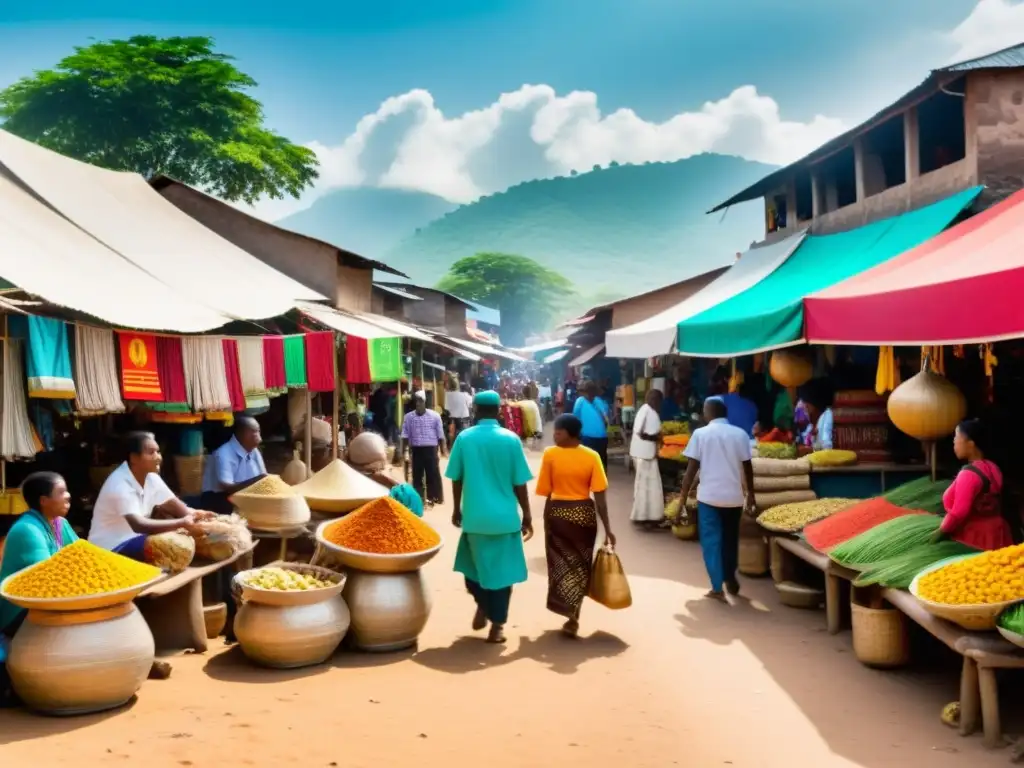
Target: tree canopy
[
  {"x": 159, "y": 105},
  {"x": 526, "y": 293}
]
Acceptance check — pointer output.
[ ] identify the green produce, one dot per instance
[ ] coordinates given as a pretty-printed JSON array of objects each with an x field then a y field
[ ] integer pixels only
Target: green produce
[
  {"x": 1013, "y": 618},
  {"x": 283, "y": 580},
  {"x": 776, "y": 450},
  {"x": 922, "y": 494},
  {"x": 897, "y": 572},
  {"x": 889, "y": 539},
  {"x": 675, "y": 428}
]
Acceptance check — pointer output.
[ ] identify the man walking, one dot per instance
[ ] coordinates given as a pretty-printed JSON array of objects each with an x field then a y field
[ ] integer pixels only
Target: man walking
[
  {"x": 721, "y": 453},
  {"x": 425, "y": 434},
  {"x": 592, "y": 411},
  {"x": 489, "y": 473}
]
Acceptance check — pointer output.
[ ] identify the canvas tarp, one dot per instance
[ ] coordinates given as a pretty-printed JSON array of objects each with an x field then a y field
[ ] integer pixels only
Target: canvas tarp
[
  {"x": 44, "y": 254},
  {"x": 770, "y": 315},
  {"x": 964, "y": 286},
  {"x": 122, "y": 211},
  {"x": 657, "y": 334}
]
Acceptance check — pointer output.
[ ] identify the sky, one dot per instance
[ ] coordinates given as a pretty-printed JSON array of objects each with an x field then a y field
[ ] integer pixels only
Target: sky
[{"x": 462, "y": 98}]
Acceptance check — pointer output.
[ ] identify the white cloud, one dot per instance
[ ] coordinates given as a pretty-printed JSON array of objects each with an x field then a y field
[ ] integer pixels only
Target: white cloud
[{"x": 992, "y": 26}]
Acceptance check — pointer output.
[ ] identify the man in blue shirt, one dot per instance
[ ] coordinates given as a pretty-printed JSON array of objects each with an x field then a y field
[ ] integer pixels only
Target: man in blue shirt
[
  {"x": 235, "y": 465},
  {"x": 592, "y": 411},
  {"x": 489, "y": 472}
]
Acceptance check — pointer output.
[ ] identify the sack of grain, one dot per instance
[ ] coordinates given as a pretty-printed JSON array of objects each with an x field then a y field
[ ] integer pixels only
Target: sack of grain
[
  {"x": 763, "y": 483},
  {"x": 222, "y": 537},
  {"x": 781, "y": 467},
  {"x": 768, "y": 500}
]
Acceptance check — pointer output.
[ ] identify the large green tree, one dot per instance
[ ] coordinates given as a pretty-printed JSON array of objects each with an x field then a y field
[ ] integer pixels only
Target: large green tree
[
  {"x": 527, "y": 294},
  {"x": 159, "y": 105}
]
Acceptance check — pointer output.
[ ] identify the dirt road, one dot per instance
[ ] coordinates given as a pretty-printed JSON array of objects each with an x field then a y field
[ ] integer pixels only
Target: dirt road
[{"x": 675, "y": 680}]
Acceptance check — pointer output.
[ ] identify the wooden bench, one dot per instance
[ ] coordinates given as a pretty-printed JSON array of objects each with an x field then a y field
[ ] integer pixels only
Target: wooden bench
[{"x": 173, "y": 607}]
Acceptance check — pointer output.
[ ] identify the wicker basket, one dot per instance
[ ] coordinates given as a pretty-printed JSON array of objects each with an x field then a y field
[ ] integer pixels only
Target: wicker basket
[
  {"x": 189, "y": 470},
  {"x": 777, "y": 560},
  {"x": 980, "y": 618},
  {"x": 686, "y": 532},
  {"x": 753, "y": 557},
  {"x": 880, "y": 636}
]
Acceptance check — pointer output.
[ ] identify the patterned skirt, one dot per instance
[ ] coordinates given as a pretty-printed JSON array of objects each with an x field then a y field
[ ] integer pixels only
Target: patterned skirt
[{"x": 570, "y": 531}]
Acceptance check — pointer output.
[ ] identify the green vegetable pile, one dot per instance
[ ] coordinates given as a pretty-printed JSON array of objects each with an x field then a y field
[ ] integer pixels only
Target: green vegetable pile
[
  {"x": 1013, "y": 618},
  {"x": 887, "y": 540},
  {"x": 922, "y": 494},
  {"x": 899, "y": 571}
]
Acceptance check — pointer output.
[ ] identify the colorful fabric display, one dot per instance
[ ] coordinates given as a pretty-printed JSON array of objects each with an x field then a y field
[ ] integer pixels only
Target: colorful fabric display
[
  {"x": 357, "y": 360},
  {"x": 205, "y": 373},
  {"x": 98, "y": 387},
  {"x": 171, "y": 366},
  {"x": 47, "y": 356},
  {"x": 295, "y": 361},
  {"x": 273, "y": 365},
  {"x": 320, "y": 361},
  {"x": 250, "y": 365},
  {"x": 233, "y": 374},
  {"x": 17, "y": 438},
  {"x": 385, "y": 359},
  {"x": 140, "y": 373}
]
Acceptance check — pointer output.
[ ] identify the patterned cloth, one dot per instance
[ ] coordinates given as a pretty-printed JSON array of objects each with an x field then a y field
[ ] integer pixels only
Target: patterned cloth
[
  {"x": 422, "y": 430},
  {"x": 570, "y": 531},
  {"x": 648, "y": 493}
]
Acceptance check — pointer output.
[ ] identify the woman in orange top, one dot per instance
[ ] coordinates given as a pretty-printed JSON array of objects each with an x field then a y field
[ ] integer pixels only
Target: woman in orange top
[{"x": 572, "y": 478}]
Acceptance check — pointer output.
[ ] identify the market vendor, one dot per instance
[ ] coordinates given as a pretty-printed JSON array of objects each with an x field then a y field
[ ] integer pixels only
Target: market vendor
[
  {"x": 818, "y": 404},
  {"x": 135, "y": 502},
  {"x": 234, "y": 466},
  {"x": 972, "y": 503}
]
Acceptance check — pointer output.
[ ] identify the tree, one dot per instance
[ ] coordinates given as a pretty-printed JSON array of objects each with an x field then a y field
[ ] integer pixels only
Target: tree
[
  {"x": 159, "y": 105},
  {"x": 525, "y": 292}
]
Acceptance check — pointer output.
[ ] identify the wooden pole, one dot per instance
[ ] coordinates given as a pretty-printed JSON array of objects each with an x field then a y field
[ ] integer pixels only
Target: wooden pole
[
  {"x": 3, "y": 412},
  {"x": 308, "y": 445},
  {"x": 400, "y": 411},
  {"x": 335, "y": 407},
  {"x": 933, "y": 459}
]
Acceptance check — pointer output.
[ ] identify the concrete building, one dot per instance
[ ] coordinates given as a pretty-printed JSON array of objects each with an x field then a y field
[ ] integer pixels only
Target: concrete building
[{"x": 963, "y": 126}]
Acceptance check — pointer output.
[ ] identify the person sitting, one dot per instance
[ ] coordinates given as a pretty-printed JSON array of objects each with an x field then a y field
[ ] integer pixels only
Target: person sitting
[
  {"x": 135, "y": 502},
  {"x": 234, "y": 466}
]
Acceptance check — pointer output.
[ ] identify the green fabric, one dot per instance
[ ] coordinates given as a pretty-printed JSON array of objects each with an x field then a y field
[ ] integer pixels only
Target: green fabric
[
  {"x": 770, "y": 314},
  {"x": 385, "y": 359},
  {"x": 170, "y": 407},
  {"x": 29, "y": 541},
  {"x": 489, "y": 462},
  {"x": 295, "y": 361},
  {"x": 493, "y": 562}
]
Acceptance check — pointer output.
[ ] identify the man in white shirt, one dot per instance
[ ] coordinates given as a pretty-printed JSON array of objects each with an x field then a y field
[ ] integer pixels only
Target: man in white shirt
[
  {"x": 648, "y": 496},
  {"x": 135, "y": 502},
  {"x": 458, "y": 406},
  {"x": 721, "y": 453}
]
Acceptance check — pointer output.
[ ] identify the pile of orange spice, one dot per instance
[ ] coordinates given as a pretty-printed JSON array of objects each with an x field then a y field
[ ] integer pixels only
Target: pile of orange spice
[{"x": 382, "y": 527}]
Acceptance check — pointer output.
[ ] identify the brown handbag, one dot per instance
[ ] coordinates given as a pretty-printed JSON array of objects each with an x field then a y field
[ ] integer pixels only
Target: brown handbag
[{"x": 608, "y": 583}]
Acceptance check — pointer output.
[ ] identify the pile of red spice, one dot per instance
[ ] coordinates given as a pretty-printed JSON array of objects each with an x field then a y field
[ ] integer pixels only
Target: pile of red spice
[{"x": 852, "y": 521}]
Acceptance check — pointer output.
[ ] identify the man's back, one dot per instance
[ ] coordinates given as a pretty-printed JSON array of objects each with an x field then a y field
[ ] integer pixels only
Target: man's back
[{"x": 721, "y": 450}]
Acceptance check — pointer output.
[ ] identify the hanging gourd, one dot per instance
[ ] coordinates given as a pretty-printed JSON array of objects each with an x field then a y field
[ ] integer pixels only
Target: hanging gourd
[
  {"x": 927, "y": 406},
  {"x": 790, "y": 369},
  {"x": 295, "y": 470}
]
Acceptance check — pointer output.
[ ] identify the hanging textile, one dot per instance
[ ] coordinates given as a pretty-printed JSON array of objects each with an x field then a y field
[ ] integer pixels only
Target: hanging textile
[
  {"x": 887, "y": 377},
  {"x": 99, "y": 390},
  {"x": 205, "y": 376},
  {"x": 295, "y": 361},
  {"x": 47, "y": 356},
  {"x": 140, "y": 372},
  {"x": 320, "y": 353},
  {"x": 171, "y": 366},
  {"x": 385, "y": 359},
  {"x": 233, "y": 374},
  {"x": 936, "y": 359},
  {"x": 250, "y": 364},
  {"x": 273, "y": 365},
  {"x": 357, "y": 361},
  {"x": 17, "y": 441}
]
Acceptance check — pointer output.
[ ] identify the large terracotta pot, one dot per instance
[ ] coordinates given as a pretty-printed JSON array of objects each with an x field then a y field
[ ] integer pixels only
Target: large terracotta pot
[
  {"x": 75, "y": 662},
  {"x": 389, "y": 610},
  {"x": 290, "y": 636}
]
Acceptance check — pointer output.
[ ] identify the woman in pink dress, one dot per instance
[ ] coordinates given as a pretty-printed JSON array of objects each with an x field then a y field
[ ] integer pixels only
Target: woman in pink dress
[{"x": 973, "y": 510}]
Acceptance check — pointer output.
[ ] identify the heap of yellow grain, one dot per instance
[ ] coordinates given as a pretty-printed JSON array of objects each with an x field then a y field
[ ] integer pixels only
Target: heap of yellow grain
[
  {"x": 382, "y": 527},
  {"x": 80, "y": 570},
  {"x": 991, "y": 577}
]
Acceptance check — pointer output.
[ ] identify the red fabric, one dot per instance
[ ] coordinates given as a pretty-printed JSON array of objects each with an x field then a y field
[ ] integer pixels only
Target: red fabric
[
  {"x": 140, "y": 373},
  {"x": 920, "y": 297},
  {"x": 234, "y": 374},
  {"x": 973, "y": 515},
  {"x": 357, "y": 361},
  {"x": 171, "y": 365},
  {"x": 320, "y": 361},
  {"x": 273, "y": 362}
]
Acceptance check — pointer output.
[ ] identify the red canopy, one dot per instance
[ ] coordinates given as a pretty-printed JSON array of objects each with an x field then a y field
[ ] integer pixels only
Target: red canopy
[{"x": 965, "y": 285}]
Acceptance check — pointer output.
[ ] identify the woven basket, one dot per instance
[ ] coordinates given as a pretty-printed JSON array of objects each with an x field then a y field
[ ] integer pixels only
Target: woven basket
[
  {"x": 880, "y": 636},
  {"x": 189, "y": 470},
  {"x": 778, "y": 498},
  {"x": 773, "y": 483},
  {"x": 781, "y": 467},
  {"x": 980, "y": 618},
  {"x": 777, "y": 561},
  {"x": 753, "y": 557},
  {"x": 685, "y": 532}
]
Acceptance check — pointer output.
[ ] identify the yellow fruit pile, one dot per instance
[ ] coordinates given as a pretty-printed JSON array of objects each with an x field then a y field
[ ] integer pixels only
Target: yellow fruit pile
[
  {"x": 991, "y": 577},
  {"x": 79, "y": 570}
]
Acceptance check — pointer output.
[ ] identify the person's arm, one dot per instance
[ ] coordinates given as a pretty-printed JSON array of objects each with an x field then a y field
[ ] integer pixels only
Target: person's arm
[
  {"x": 524, "y": 504},
  {"x": 961, "y": 495},
  {"x": 457, "y": 503},
  {"x": 601, "y": 502},
  {"x": 454, "y": 473},
  {"x": 405, "y": 428},
  {"x": 442, "y": 441},
  {"x": 543, "y": 487},
  {"x": 651, "y": 416},
  {"x": 577, "y": 406},
  {"x": 169, "y": 512},
  {"x": 521, "y": 475},
  {"x": 692, "y": 466}
]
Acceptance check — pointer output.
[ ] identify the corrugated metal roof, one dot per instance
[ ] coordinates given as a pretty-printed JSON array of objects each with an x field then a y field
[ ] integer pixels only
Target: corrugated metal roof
[
  {"x": 397, "y": 292},
  {"x": 1008, "y": 58}
]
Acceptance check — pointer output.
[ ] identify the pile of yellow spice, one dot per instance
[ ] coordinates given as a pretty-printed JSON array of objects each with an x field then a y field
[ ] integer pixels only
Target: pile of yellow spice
[
  {"x": 991, "y": 577},
  {"x": 80, "y": 570}
]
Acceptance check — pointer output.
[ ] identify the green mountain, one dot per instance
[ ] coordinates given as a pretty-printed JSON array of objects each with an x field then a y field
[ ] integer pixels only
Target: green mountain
[{"x": 618, "y": 230}]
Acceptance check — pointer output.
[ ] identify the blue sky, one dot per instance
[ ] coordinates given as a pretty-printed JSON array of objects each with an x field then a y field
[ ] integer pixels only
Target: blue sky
[{"x": 324, "y": 66}]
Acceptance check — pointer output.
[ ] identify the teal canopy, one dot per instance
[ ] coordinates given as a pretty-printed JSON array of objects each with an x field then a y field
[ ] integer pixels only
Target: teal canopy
[{"x": 770, "y": 314}]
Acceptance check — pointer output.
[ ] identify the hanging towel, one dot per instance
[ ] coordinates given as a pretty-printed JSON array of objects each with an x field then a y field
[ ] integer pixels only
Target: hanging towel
[
  {"x": 205, "y": 376},
  {"x": 17, "y": 440},
  {"x": 99, "y": 390},
  {"x": 47, "y": 356},
  {"x": 385, "y": 359},
  {"x": 273, "y": 365},
  {"x": 233, "y": 374},
  {"x": 250, "y": 364},
  {"x": 320, "y": 361},
  {"x": 171, "y": 366},
  {"x": 140, "y": 366},
  {"x": 295, "y": 361},
  {"x": 357, "y": 360}
]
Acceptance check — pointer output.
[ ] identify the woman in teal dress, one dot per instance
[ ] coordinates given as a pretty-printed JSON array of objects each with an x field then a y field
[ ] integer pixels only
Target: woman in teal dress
[{"x": 37, "y": 535}]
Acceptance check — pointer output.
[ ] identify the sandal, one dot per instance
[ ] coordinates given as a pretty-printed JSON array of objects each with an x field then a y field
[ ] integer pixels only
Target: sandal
[{"x": 497, "y": 634}]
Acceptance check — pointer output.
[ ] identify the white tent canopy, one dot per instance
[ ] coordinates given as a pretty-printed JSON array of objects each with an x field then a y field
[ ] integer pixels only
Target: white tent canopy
[
  {"x": 122, "y": 212},
  {"x": 657, "y": 334}
]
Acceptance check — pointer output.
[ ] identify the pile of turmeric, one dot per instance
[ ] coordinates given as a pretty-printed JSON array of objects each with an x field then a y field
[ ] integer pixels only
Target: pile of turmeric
[
  {"x": 382, "y": 527},
  {"x": 79, "y": 570}
]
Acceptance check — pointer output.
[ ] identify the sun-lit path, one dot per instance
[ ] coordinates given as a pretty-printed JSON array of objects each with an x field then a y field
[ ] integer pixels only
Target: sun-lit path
[{"x": 672, "y": 681}]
